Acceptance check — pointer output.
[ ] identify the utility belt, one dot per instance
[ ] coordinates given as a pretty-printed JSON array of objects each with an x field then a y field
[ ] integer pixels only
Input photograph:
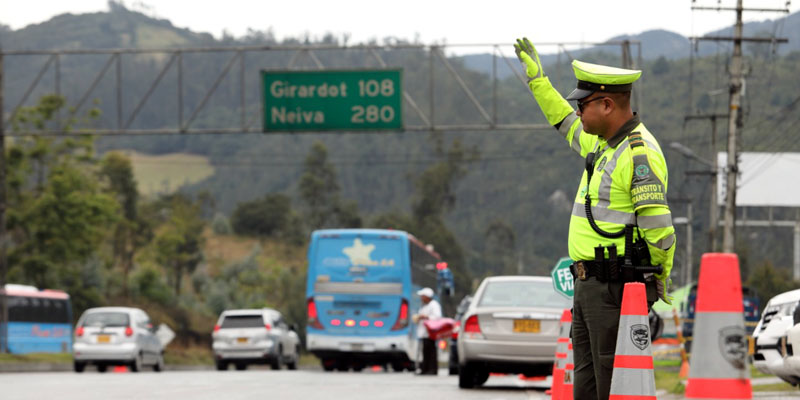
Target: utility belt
[{"x": 615, "y": 269}]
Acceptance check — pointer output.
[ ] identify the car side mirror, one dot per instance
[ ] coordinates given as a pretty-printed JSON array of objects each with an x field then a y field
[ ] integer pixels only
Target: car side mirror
[{"x": 292, "y": 327}]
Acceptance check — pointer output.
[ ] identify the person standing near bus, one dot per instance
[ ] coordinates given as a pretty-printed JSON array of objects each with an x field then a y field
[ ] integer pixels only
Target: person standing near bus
[
  {"x": 430, "y": 310},
  {"x": 621, "y": 227}
]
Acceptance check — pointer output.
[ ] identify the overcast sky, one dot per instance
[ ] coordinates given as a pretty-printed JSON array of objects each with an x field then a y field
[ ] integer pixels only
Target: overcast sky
[{"x": 430, "y": 21}]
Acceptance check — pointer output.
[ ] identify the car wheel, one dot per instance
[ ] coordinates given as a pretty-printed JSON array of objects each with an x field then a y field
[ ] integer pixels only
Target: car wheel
[
  {"x": 481, "y": 376},
  {"x": 342, "y": 365},
  {"x": 79, "y": 366},
  {"x": 466, "y": 377},
  {"x": 358, "y": 367},
  {"x": 222, "y": 366},
  {"x": 136, "y": 365},
  {"x": 241, "y": 366},
  {"x": 159, "y": 365},
  {"x": 278, "y": 360},
  {"x": 398, "y": 367},
  {"x": 292, "y": 365},
  {"x": 102, "y": 368},
  {"x": 411, "y": 366}
]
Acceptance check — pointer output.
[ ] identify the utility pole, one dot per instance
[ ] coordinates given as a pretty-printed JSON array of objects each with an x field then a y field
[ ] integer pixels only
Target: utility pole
[
  {"x": 734, "y": 125},
  {"x": 713, "y": 211},
  {"x": 735, "y": 121}
]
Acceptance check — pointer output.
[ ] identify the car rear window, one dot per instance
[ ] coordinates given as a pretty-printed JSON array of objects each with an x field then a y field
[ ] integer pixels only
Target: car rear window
[
  {"x": 243, "y": 321},
  {"x": 522, "y": 294},
  {"x": 106, "y": 319}
]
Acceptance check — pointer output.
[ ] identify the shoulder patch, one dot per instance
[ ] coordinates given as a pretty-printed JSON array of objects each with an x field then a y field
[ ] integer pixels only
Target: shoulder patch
[{"x": 647, "y": 190}]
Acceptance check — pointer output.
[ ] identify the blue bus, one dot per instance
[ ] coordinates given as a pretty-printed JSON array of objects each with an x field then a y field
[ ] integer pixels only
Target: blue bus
[
  {"x": 361, "y": 293},
  {"x": 39, "y": 321}
]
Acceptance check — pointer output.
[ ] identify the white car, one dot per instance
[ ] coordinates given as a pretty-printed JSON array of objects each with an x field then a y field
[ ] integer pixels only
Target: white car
[
  {"x": 116, "y": 336},
  {"x": 254, "y": 336},
  {"x": 511, "y": 326},
  {"x": 769, "y": 337}
]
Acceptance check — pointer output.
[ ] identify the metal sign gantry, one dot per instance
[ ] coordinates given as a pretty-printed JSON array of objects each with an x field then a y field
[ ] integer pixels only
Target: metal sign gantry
[{"x": 127, "y": 105}]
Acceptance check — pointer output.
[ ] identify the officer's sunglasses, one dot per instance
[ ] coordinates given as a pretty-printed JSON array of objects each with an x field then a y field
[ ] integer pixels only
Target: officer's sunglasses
[{"x": 582, "y": 104}]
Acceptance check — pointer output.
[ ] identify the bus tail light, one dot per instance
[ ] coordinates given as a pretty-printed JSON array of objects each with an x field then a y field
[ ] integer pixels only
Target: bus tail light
[
  {"x": 128, "y": 331},
  {"x": 313, "y": 321},
  {"x": 79, "y": 331},
  {"x": 402, "y": 316}
]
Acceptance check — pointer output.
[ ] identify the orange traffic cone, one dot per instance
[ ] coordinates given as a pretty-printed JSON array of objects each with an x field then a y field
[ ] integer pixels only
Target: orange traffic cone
[
  {"x": 718, "y": 368},
  {"x": 561, "y": 354},
  {"x": 633, "y": 376},
  {"x": 569, "y": 374}
]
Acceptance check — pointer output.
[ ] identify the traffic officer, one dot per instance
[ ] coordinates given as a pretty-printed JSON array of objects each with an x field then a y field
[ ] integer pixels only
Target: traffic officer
[{"x": 621, "y": 198}]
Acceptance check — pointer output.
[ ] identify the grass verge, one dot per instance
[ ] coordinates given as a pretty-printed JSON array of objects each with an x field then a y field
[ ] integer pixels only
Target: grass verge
[{"x": 53, "y": 358}]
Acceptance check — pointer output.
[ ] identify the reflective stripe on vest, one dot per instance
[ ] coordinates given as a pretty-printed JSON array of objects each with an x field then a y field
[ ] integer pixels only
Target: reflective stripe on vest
[
  {"x": 565, "y": 127},
  {"x": 604, "y": 214},
  {"x": 655, "y": 221}
]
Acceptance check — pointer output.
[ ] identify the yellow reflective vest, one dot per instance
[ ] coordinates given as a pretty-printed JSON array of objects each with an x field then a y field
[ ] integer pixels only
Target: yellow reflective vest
[{"x": 628, "y": 185}]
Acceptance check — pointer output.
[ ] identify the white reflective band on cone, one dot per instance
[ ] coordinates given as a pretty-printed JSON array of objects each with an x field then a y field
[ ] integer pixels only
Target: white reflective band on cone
[{"x": 718, "y": 352}]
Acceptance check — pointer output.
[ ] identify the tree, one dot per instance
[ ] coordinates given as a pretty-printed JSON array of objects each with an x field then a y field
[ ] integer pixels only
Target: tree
[
  {"x": 130, "y": 232},
  {"x": 267, "y": 216},
  {"x": 500, "y": 247},
  {"x": 769, "y": 281},
  {"x": 57, "y": 216},
  {"x": 661, "y": 66},
  {"x": 319, "y": 190},
  {"x": 178, "y": 241}
]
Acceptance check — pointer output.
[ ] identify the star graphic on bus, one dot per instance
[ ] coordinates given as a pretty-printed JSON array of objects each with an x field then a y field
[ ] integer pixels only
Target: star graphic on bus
[{"x": 359, "y": 253}]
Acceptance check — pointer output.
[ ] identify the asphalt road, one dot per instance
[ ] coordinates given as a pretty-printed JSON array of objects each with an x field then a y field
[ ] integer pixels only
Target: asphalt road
[{"x": 259, "y": 383}]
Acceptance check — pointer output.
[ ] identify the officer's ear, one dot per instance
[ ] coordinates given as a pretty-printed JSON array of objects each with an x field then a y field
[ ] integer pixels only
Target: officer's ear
[{"x": 609, "y": 105}]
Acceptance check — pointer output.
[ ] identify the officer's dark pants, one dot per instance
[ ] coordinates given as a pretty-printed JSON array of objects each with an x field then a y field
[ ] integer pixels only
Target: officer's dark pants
[
  {"x": 595, "y": 322},
  {"x": 430, "y": 364}
]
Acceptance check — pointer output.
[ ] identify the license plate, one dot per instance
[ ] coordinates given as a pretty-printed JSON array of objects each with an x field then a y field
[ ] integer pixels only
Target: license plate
[
  {"x": 526, "y": 326},
  {"x": 241, "y": 340},
  {"x": 356, "y": 346},
  {"x": 103, "y": 339},
  {"x": 751, "y": 345}
]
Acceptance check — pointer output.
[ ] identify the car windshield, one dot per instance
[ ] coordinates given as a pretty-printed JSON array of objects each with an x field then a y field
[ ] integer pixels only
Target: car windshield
[
  {"x": 243, "y": 321},
  {"x": 106, "y": 319},
  {"x": 524, "y": 293}
]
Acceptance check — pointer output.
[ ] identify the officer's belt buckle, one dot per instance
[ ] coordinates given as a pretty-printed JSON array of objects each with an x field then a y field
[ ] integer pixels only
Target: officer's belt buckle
[{"x": 581, "y": 270}]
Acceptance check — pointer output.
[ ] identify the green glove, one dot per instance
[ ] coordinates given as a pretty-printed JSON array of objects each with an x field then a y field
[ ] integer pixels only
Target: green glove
[{"x": 529, "y": 58}]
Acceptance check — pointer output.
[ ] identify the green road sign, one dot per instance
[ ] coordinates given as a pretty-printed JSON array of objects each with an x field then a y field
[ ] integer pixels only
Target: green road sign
[
  {"x": 562, "y": 278},
  {"x": 332, "y": 100}
]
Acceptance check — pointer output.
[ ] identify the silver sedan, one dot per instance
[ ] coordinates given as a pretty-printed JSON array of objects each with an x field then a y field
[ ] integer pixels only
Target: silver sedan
[{"x": 511, "y": 326}]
